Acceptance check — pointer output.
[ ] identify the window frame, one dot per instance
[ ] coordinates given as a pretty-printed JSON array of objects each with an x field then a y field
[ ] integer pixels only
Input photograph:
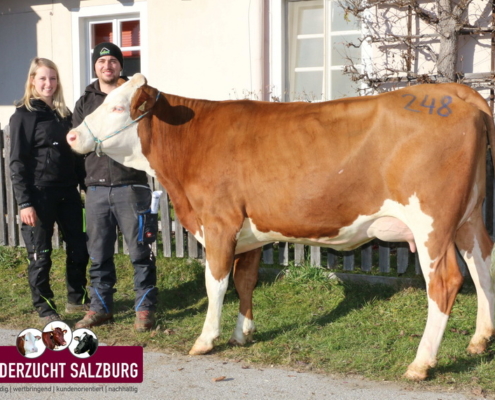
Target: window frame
[
  {"x": 279, "y": 61},
  {"x": 292, "y": 69},
  {"x": 81, "y": 37}
]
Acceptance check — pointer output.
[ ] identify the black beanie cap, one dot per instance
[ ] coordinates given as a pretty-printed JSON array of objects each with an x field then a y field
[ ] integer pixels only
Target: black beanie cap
[{"x": 107, "y": 49}]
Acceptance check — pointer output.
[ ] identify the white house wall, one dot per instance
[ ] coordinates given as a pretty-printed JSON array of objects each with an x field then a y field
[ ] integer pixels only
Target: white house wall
[
  {"x": 29, "y": 29},
  {"x": 206, "y": 49}
]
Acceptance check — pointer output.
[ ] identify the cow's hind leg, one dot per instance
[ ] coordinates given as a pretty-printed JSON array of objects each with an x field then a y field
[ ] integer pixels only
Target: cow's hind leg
[
  {"x": 245, "y": 277},
  {"x": 219, "y": 260},
  {"x": 475, "y": 246},
  {"x": 443, "y": 281}
]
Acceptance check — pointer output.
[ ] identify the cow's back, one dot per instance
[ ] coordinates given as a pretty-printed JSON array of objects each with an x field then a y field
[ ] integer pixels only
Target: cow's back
[{"x": 259, "y": 155}]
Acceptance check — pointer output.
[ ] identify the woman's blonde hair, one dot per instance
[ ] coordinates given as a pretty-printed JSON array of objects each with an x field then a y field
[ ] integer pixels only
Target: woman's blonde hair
[{"x": 30, "y": 91}]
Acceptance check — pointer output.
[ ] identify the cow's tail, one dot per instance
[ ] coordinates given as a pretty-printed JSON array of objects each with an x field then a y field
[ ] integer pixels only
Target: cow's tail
[
  {"x": 471, "y": 96},
  {"x": 490, "y": 127}
]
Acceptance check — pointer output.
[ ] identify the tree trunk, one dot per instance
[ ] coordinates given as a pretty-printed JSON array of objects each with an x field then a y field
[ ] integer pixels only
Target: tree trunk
[{"x": 449, "y": 38}]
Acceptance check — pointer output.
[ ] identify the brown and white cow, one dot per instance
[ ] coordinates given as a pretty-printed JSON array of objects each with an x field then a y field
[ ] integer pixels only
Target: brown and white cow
[
  {"x": 408, "y": 165},
  {"x": 26, "y": 344},
  {"x": 54, "y": 338}
]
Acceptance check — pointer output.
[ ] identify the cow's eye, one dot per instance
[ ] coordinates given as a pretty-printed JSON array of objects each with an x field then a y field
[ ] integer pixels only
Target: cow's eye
[{"x": 118, "y": 109}]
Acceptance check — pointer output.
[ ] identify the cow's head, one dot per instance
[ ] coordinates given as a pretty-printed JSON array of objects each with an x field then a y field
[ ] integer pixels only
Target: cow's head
[
  {"x": 112, "y": 128},
  {"x": 87, "y": 343},
  {"x": 57, "y": 335},
  {"x": 27, "y": 343}
]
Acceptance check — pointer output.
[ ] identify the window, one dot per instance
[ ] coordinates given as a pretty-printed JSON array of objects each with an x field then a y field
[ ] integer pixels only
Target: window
[
  {"x": 124, "y": 25},
  {"x": 316, "y": 50}
]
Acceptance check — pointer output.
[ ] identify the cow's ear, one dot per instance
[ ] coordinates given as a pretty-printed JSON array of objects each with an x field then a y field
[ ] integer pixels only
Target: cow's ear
[
  {"x": 64, "y": 331},
  {"x": 37, "y": 337},
  {"x": 143, "y": 101},
  {"x": 77, "y": 338},
  {"x": 121, "y": 81},
  {"x": 138, "y": 80}
]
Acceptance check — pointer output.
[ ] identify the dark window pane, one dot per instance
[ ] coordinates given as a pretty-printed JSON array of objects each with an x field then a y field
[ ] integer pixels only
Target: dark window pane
[{"x": 102, "y": 33}]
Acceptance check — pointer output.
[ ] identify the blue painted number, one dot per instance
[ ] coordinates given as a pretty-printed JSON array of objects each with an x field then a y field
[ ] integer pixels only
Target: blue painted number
[
  {"x": 407, "y": 107},
  {"x": 443, "y": 111}
]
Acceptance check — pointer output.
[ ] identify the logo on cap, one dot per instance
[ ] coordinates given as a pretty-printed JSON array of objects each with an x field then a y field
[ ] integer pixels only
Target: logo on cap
[{"x": 104, "y": 51}]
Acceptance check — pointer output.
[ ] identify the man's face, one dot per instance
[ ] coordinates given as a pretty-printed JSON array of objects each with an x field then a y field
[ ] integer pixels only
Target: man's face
[{"x": 108, "y": 69}]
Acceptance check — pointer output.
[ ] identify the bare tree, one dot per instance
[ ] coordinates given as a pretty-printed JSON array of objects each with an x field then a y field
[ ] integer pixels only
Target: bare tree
[{"x": 406, "y": 31}]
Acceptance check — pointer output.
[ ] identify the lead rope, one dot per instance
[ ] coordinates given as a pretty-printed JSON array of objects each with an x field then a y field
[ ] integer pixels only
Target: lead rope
[{"x": 98, "y": 142}]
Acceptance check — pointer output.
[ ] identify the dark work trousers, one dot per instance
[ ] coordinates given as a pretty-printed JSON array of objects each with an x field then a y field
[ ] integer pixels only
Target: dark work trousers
[
  {"x": 106, "y": 208},
  {"x": 63, "y": 206}
]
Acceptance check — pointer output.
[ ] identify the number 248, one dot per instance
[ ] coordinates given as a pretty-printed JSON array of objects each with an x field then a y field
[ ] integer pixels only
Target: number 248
[{"x": 443, "y": 111}]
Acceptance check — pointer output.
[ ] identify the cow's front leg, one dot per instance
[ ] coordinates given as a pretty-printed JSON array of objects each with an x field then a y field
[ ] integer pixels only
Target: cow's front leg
[
  {"x": 219, "y": 260},
  {"x": 245, "y": 277}
]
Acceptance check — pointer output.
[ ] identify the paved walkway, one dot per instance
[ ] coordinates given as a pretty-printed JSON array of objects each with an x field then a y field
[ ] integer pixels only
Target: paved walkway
[{"x": 169, "y": 376}]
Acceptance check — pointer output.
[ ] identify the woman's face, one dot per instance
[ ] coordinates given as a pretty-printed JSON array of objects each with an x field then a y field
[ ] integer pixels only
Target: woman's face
[{"x": 45, "y": 83}]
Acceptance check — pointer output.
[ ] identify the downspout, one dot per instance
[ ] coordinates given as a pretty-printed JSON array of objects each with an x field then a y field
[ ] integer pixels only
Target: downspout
[{"x": 265, "y": 45}]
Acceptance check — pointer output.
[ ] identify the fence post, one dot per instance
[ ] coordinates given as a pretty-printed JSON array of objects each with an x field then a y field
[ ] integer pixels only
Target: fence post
[
  {"x": 402, "y": 257},
  {"x": 384, "y": 256},
  {"x": 315, "y": 256},
  {"x": 11, "y": 203},
  {"x": 192, "y": 246},
  {"x": 166, "y": 223},
  {"x": 298, "y": 254},
  {"x": 268, "y": 253},
  {"x": 179, "y": 239},
  {"x": 348, "y": 260},
  {"x": 332, "y": 259},
  {"x": 367, "y": 257},
  {"x": 3, "y": 207},
  {"x": 283, "y": 253}
]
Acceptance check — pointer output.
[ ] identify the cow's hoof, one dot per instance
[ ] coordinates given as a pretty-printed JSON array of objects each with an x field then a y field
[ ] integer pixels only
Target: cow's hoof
[
  {"x": 200, "y": 348},
  {"x": 477, "y": 347},
  {"x": 235, "y": 342},
  {"x": 242, "y": 340},
  {"x": 415, "y": 374}
]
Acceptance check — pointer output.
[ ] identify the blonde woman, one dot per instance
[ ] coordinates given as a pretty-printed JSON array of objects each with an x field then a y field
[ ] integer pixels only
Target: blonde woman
[{"x": 45, "y": 174}]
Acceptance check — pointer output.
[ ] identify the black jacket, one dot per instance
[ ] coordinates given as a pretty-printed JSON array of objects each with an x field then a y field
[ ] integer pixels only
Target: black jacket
[
  {"x": 39, "y": 152},
  {"x": 103, "y": 171}
]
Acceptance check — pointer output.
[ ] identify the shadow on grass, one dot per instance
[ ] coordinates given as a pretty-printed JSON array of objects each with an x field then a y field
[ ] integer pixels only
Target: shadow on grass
[
  {"x": 185, "y": 299},
  {"x": 468, "y": 362},
  {"x": 182, "y": 301},
  {"x": 356, "y": 297}
]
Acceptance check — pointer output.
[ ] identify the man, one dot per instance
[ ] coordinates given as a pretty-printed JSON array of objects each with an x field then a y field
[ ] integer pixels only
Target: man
[{"x": 115, "y": 196}]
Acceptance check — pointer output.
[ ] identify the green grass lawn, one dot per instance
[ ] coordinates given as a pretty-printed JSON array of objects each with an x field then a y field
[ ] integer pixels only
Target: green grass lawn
[{"x": 304, "y": 321}]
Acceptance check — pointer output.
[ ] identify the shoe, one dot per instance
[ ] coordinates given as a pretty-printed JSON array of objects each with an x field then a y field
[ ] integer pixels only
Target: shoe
[
  {"x": 76, "y": 308},
  {"x": 93, "y": 318},
  {"x": 50, "y": 318},
  {"x": 145, "y": 320}
]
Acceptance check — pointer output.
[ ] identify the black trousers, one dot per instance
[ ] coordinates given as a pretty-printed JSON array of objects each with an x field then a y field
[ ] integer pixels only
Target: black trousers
[{"x": 63, "y": 206}]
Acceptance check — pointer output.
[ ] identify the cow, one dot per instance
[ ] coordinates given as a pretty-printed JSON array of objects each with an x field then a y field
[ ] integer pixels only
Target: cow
[
  {"x": 405, "y": 166},
  {"x": 54, "y": 338},
  {"x": 87, "y": 344},
  {"x": 26, "y": 344}
]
